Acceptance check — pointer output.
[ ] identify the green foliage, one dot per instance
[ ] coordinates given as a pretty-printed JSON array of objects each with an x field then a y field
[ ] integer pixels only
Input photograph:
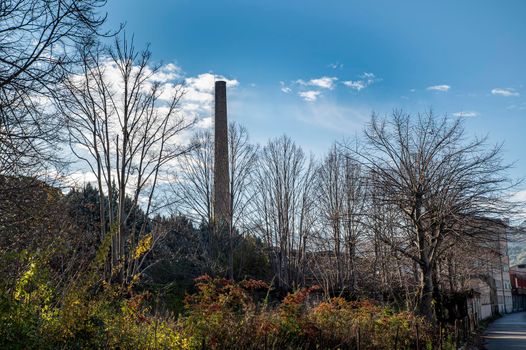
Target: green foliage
[
  {"x": 34, "y": 316},
  {"x": 56, "y": 292},
  {"x": 250, "y": 259},
  {"x": 221, "y": 314}
]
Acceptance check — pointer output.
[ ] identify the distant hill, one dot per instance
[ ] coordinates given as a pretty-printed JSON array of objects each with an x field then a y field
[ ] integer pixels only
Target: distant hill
[{"x": 517, "y": 246}]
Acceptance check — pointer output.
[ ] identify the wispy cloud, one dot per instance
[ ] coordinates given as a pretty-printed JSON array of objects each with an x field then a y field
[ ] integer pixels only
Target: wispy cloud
[
  {"x": 518, "y": 107},
  {"x": 355, "y": 85},
  {"x": 322, "y": 83},
  {"x": 441, "y": 88},
  {"x": 332, "y": 116},
  {"x": 284, "y": 87},
  {"x": 311, "y": 90},
  {"x": 366, "y": 79},
  {"x": 336, "y": 65},
  {"x": 466, "y": 114},
  {"x": 504, "y": 92},
  {"x": 310, "y": 95}
]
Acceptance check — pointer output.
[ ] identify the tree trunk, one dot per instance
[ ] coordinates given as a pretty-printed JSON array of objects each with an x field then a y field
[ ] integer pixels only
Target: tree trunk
[{"x": 425, "y": 306}]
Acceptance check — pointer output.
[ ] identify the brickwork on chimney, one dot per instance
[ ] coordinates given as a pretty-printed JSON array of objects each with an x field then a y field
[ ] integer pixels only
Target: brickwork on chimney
[{"x": 221, "y": 167}]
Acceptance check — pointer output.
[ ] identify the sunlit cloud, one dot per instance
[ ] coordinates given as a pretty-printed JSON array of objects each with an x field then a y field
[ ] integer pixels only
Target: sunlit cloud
[
  {"x": 365, "y": 79},
  {"x": 355, "y": 85},
  {"x": 309, "y": 96},
  {"x": 441, "y": 88},
  {"x": 322, "y": 82},
  {"x": 506, "y": 92},
  {"x": 466, "y": 114}
]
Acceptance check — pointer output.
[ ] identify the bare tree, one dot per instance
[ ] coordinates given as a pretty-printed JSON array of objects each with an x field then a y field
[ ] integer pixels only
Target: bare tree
[
  {"x": 341, "y": 203},
  {"x": 194, "y": 187},
  {"x": 243, "y": 157},
  {"x": 283, "y": 212},
  {"x": 126, "y": 131},
  {"x": 38, "y": 47},
  {"x": 392, "y": 275},
  {"x": 438, "y": 182}
]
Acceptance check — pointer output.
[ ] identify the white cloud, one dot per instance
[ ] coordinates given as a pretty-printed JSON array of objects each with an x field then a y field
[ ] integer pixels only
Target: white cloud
[
  {"x": 284, "y": 87},
  {"x": 166, "y": 73},
  {"x": 205, "y": 82},
  {"x": 466, "y": 114},
  {"x": 442, "y": 88},
  {"x": 311, "y": 90},
  {"x": 504, "y": 92},
  {"x": 355, "y": 85},
  {"x": 199, "y": 95},
  {"x": 205, "y": 123},
  {"x": 519, "y": 196},
  {"x": 322, "y": 82},
  {"x": 369, "y": 77},
  {"x": 195, "y": 104},
  {"x": 366, "y": 79},
  {"x": 310, "y": 96},
  {"x": 80, "y": 177},
  {"x": 336, "y": 65}
]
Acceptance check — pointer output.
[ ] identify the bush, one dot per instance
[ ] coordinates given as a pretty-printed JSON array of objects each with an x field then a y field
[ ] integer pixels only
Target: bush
[
  {"x": 223, "y": 315},
  {"x": 33, "y": 317}
]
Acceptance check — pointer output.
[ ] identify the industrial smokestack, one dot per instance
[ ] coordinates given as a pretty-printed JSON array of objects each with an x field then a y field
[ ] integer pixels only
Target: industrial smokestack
[{"x": 221, "y": 168}]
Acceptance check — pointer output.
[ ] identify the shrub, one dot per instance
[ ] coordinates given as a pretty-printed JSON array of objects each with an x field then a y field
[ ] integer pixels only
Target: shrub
[
  {"x": 33, "y": 317},
  {"x": 223, "y": 315}
]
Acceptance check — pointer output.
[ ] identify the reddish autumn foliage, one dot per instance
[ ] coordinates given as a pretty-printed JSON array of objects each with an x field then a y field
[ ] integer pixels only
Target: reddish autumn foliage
[{"x": 224, "y": 315}]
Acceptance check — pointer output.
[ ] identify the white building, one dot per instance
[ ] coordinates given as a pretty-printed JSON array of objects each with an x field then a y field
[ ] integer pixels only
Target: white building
[{"x": 492, "y": 283}]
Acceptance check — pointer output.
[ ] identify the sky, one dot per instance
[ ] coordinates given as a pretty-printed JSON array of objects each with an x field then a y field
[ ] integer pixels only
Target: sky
[{"x": 316, "y": 70}]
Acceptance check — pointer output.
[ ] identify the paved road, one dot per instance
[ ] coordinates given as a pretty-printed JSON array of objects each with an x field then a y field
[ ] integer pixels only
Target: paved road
[{"x": 508, "y": 332}]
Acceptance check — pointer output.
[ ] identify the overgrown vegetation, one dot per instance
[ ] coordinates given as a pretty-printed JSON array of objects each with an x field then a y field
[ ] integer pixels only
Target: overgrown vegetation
[
  {"x": 356, "y": 249},
  {"x": 220, "y": 315},
  {"x": 34, "y": 316}
]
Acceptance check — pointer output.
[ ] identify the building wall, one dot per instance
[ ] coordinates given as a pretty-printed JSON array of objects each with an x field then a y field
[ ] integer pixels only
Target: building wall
[
  {"x": 485, "y": 298},
  {"x": 495, "y": 285},
  {"x": 501, "y": 274}
]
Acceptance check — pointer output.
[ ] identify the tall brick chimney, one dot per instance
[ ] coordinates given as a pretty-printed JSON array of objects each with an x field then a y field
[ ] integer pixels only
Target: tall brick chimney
[{"x": 221, "y": 168}]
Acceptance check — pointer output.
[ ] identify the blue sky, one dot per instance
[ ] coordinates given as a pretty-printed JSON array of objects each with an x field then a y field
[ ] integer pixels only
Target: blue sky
[{"x": 315, "y": 70}]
